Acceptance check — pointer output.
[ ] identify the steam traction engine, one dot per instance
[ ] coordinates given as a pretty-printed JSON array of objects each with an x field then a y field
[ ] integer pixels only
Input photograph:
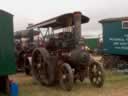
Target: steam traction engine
[{"x": 62, "y": 58}]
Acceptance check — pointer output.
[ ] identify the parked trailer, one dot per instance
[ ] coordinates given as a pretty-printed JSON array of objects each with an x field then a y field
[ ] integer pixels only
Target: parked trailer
[
  {"x": 91, "y": 44},
  {"x": 62, "y": 59},
  {"x": 7, "y": 58},
  {"x": 115, "y": 42}
]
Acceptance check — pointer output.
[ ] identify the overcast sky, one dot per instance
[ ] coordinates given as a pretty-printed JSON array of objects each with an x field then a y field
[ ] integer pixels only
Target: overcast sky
[{"x": 34, "y": 11}]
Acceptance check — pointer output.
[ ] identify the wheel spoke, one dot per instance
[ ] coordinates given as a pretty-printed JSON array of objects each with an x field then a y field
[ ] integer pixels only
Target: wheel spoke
[
  {"x": 99, "y": 73},
  {"x": 99, "y": 79},
  {"x": 38, "y": 66},
  {"x": 94, "y": 69},
  {"x": 94, "y": 79}
]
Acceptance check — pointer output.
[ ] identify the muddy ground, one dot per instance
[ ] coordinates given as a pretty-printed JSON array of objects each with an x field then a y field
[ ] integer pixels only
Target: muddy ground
[{"x": 116, "y": 84}]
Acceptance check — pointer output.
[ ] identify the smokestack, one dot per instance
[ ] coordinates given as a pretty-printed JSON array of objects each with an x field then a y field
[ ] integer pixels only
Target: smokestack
[{"x": 77, "y": 26}]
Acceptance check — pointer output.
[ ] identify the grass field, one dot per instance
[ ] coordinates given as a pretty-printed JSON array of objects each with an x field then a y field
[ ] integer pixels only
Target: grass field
[{"x": 115, "y": 85}]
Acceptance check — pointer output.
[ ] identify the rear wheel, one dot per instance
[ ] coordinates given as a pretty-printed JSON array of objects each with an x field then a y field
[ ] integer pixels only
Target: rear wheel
[
  {"x": 42, "y": 69},
  {"x": 66, "y": 78},
  {"x": 96, "y": 74}
]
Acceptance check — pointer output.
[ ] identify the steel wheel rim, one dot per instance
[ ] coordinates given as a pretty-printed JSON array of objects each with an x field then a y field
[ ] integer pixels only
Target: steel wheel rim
[
  {"x": 66, "y": 79},
  {"x": 65, "y": 75},
  {"x": 96, "y": 75}
]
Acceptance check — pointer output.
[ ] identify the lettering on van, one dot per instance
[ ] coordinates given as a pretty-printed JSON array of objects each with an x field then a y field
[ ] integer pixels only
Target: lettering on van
[{"x": 120, "y": 43}]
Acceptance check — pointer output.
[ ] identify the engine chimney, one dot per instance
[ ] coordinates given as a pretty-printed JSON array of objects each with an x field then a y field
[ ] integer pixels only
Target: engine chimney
[{"x": 77, "y": 26}]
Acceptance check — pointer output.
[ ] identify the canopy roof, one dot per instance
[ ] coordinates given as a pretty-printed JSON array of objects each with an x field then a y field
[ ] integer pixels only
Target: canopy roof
[
  {"x": 25, "y": 33},
  {"x": 58, "y": 22}
]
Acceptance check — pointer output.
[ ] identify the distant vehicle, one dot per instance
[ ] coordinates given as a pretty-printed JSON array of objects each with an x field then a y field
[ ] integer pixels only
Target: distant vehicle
[{"x": 24, "y": 45}]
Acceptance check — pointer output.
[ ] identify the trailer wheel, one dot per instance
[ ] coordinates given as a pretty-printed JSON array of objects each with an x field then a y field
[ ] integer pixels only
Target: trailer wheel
[
  {"x": 66, "y": 79},
  {"x": 42, "y": 69},
  {"x": 96, "y": 75}
]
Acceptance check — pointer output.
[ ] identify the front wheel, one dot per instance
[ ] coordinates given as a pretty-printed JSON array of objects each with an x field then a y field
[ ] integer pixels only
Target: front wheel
[
  {"x": 66, "y": 78},
  {"x": 96, "y": 75}
]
